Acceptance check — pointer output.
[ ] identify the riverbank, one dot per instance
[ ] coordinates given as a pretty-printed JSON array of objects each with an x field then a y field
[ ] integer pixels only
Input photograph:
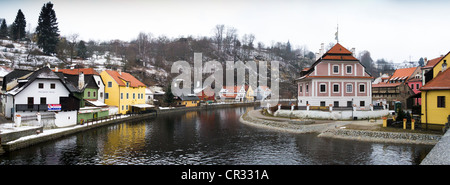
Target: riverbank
[
  {"x": 338, "y": 129},
  {"x": 18, "y": 139}
]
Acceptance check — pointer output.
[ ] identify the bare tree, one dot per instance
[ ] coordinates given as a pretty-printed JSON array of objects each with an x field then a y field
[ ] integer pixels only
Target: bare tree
[
  {"x": 72, "y": 42},
  {"x": 218, "y": 35}
]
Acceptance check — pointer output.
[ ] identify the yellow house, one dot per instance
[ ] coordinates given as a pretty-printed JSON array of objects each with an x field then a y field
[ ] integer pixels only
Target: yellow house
[
  {"x": 123, "y": 90},
  {"x": 438, "y": 67},
  {"x": 189, "y": 101},
  {"x": 436, "y": 100},
  {"x": 249, "y": 95}
]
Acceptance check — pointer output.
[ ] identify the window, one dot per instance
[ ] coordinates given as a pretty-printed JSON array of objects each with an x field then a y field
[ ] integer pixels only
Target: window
[
  {"x": 362, "y": 103},
  {"x": 127, "y": 107},
  {"x": 109, "y": 84},
  {"x": 122, "y": 107},
  {"x": 127, "y": 96},
  {"x": 322, "y": 103},
  {"x": 323, "y": 88},
  {"x": 417, "y": 86},
  {"x": 101, "y": 95},
  {"x": 106, "y": 95},
  {"x": 94, "y": 93},
  {"x": 128, "y": 84},
  {"x": 52, "y": 86},
  {"x": 89, "y": 94},
  {"x": 98, "y": 82},
  {"x": 349, "y": 88},
  {"x": 43, "y": 100},
  {"x": 441, "y": 101},
  {"x": 134, "y": 96},
  {"x": 362, "y": 88},
  {"x": 412, "y": 86},
  {"x": 121, "y": 95},
  {"x": 307, "y": 88},
  {"x": 349, "y": 70},
  {"x": 41, "y": 85},
  {"x": 336, "y": 88},
  {"x": 349, "y": 103},
  {"x": 335, "y": 69},
  {"x": 301, "y": 88},
  {"x": 336, "y": 104}
]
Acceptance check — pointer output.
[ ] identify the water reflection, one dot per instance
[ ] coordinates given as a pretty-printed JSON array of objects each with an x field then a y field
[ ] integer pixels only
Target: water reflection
[{"x": 208, "y": 137}]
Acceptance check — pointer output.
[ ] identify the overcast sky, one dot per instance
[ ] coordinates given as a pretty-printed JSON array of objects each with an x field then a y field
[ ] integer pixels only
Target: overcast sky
[{"x": 396, "y": 30}]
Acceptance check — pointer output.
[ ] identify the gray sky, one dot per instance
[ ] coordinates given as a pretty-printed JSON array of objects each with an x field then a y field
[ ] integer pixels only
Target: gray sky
[{"x": 392, "y": 29}]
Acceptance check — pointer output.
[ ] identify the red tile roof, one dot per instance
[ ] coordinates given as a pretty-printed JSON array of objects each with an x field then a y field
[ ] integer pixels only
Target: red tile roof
[
  {"x": 86, "y": 71},
  {"x": 431, "y": 63},
  {"x": 404, "y": 73},
  {"x": 126, "y": 77},
  {"x": 338, "y": 52},
  {"x": 338, "y": 49},
  {"x": 441, "y": 81},
  {"x": 386, "y": 85}
]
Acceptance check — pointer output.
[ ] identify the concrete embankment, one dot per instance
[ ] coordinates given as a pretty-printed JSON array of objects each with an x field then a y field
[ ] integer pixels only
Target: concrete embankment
[
  {"x": 52, "y": 134},
  {"x": 333, "y": 130},
  {"x": 254, "y": 118},
  {"x": 440, "y": 154},
  {"x": 378, "y": 136}
]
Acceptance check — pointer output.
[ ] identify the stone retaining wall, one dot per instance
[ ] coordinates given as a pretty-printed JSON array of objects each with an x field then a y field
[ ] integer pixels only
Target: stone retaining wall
[
  {"x": 375, "y": 136},
  {"x": 331, "y": 115}
]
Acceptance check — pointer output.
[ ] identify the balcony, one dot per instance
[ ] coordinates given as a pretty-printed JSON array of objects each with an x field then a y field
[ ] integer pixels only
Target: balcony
[{"x": 31, "y": 107}]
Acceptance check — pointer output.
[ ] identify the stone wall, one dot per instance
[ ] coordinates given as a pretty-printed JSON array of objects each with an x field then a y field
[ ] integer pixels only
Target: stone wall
[
  {"x": 375, "y": 136},
  {"x": 331, "y": 115}
]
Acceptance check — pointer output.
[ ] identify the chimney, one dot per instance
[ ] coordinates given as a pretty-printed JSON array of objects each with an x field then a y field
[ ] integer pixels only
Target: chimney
[
  {"x": 321, "y": 49},
  {"x": 56, "y": 69},
  {"x": 120, "y": 71},
  {"x": 80, "y": 80},
  {"x": 353, "y": 51},
  {"x": 425, "y": 61}
]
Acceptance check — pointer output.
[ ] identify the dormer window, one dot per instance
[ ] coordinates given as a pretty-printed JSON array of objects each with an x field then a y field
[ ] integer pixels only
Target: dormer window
[{"x": 444, "y": 65}]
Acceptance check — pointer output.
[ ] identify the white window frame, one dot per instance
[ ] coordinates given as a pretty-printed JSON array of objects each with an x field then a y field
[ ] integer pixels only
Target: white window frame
[
  {"x": 332, "y": 68},
  {"x": 346, "y": 89},
  {"x": 307, "y": 88},
  {"x": 359, "y": 88},
  {"x": 351, "y": 69},
  {"x": 339, "y": 87},
  {"x": 320, "y": 88}
]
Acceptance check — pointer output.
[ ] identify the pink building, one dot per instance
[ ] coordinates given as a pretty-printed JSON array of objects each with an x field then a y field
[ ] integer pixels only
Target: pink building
[{"x": 336, "y": 78}]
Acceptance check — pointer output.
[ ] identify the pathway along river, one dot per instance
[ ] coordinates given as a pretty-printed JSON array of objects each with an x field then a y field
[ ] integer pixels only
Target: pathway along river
[{"x": 208, "y": 137}]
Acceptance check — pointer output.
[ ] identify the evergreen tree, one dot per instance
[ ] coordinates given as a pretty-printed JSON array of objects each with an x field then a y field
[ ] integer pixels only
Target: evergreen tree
[
  {"x": 47, "y": 29},
  {"x": 82, "y": 50},
  {"x": 168, "y": 96},
  {"x": 3, "y": 29},
  {"x": 18, "y": 27}
]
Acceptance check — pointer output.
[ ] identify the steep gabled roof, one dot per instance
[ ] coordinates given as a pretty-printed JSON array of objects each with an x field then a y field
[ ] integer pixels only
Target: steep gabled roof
[
  {"x": 42, "y": 73},
  {"x": 126, "y": 77},
  {"x": 86, "y": 71},
  {"x": 440, "y": 82},
  {"x": 403, "y": 73},
  {"x": 337, "y": 52}
]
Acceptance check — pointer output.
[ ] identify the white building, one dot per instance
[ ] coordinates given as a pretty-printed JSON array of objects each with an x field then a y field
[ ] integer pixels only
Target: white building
[
  {"x": 43, "y": 92},
  {"x": 262, "y": 92}
]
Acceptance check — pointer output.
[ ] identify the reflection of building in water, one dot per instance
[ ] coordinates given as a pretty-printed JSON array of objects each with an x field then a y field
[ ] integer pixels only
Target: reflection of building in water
[
  {"x": 125, "y": 138},
  {"x": 190, "y": 115}
]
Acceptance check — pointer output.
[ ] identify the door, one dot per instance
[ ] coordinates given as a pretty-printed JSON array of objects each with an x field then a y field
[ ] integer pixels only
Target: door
[{"x": 30, "y": 102}]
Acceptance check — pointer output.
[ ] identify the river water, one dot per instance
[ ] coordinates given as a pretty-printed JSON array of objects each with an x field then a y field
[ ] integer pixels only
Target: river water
[{"x": 208, "y": 137}]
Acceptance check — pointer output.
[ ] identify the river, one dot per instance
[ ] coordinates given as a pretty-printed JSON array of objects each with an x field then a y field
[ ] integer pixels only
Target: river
[{"x": 208, "y": 137}]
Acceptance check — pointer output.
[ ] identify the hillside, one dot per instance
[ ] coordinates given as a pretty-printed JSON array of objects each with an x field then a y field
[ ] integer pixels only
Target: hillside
[{"x": 150, "y": 61}]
